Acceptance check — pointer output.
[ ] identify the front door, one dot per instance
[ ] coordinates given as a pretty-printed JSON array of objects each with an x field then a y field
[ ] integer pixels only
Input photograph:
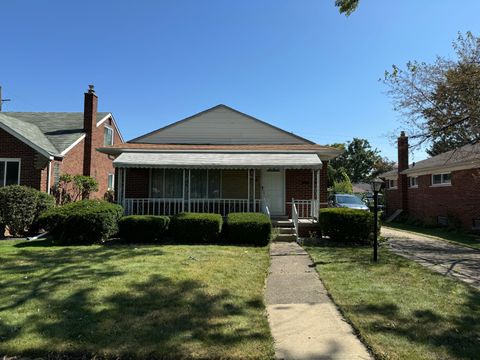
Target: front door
[{"x": 273, "y": 190}]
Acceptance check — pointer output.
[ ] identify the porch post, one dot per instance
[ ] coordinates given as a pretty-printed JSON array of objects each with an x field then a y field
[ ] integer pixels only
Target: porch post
[
  {"x": 183, "y": 192},
  {"x": 318, "y": 194},
  {"x": 124, "y": 181},
  {"x": 248, "y": 191},
  {"x": 189, "y": 190},
  {"x": 254, "y": 179},
  {"x": 119, "y": 187}
]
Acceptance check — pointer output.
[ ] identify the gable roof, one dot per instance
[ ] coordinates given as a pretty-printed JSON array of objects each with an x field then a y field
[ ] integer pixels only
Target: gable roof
[
  {"x": 50, "y": 133},
  {"x": 466, "y": 157},
  {"x": 218, "y": 125}
]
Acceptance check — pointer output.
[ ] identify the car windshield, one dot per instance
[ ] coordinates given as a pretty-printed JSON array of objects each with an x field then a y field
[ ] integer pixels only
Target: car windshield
[{"x": 348, "y": 199}]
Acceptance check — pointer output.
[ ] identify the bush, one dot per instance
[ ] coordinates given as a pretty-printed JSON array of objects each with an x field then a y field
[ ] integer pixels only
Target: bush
[
  {"x": 347, "y": 225},
  {"x": 248, "y": 228},
  {"x": 20, "y": 208},
  {"x": 143, "y": 228},
  {"x": 195, "y": 228},
  {"x": 82, "y": 222}
]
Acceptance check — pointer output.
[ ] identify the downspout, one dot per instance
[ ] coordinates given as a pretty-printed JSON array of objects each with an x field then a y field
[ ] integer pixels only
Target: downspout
[{"x": 49, "y": 176}]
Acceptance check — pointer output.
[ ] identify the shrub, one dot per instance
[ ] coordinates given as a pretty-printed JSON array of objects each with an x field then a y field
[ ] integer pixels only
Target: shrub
[
  {"x": 20, "y": 207},
  {"x": 74, "y": 187},
  {"x": 143, "y": 228},
  {"x": 195, "y": 228},
  {"x": 347, "y": 225},
  {"x": 248, "y": 228},
  {"x": 82, "y": 222}
]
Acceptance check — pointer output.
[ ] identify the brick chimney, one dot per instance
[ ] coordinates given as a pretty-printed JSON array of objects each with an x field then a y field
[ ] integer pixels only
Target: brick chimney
[
  {"x": 403, "y": 165},
  {"x": 89, "y": 126}
]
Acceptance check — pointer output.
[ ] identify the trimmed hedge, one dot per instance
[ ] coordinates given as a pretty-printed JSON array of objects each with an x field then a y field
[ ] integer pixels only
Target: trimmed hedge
[
  {"x": 248, "y": 228},
  {"x": 82, "y": 222},
  {"x": 143, "y": 228},
  {"x": 188, "y": 228},
  {"x": 347, "y": 225},
  {"x": 20, "y": 208}
]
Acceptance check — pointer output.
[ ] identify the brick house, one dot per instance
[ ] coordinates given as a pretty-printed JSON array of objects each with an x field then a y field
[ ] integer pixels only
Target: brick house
[
  {"x": 221, "y": 160},
  {"x": 441, "y": 190},
  {"x": 37, "y": 147}
]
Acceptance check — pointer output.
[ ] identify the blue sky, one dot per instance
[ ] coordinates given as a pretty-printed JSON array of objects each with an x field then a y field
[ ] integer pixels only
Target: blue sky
[{"x": 297, "y": 64}]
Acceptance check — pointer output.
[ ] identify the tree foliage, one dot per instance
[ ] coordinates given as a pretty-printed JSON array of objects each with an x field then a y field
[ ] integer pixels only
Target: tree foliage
[
  {"x": 73, "y": 188},
  {"x": 440, "y": 101},
  {"x": 346, "y": 7},
  {"x": 358, "y": 161}
]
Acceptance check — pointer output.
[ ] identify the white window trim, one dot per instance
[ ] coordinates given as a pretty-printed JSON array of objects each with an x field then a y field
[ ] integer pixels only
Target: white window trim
[
  {"x": 113, "y": 136},
  {"x": 113, "y": 181},
  {"x": 392, "y": 187},
  {"x": 410, "y": 182},
  {"x": 4, "y": 180},
  {"x": 442, "y": 184}
]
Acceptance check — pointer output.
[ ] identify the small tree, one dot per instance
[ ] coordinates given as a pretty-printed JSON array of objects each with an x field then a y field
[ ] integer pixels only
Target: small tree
[
  {"x": 343, "y": 186},
  {"x": 73, "y": 188}
]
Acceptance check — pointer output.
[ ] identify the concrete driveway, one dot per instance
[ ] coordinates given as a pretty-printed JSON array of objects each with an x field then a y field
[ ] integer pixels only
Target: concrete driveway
[{"x": 459, "y": 262}]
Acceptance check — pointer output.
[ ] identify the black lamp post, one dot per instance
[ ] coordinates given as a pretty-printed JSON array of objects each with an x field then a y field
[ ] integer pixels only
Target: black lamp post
[{"x": 376, "y": 187}]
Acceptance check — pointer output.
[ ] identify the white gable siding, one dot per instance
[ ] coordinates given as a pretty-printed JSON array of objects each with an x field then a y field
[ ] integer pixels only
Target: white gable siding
[{"x": 220, "y": 125}]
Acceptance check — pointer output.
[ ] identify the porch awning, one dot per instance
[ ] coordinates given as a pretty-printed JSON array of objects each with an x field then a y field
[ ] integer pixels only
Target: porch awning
[{"x": 217, "y": 160}]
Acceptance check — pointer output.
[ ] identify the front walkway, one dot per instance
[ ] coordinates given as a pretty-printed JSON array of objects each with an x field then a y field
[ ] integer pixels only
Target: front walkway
[
  {"x": 460, "y": 262},
  {"x": 304, "y": 321}
]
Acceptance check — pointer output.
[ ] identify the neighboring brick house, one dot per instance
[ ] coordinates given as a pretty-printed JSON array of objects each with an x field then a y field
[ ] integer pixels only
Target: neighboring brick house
[
  {"x": 443, "y": 190},
  {"x": 37, "y": 147},
  {"x": 221, "y": 160}
]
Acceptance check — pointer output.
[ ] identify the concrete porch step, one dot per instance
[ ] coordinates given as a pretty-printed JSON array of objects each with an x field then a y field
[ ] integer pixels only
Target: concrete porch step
[
  {"x": 282, "y": 223},
  {"x": 286, "y": 230},
  {"x": 285, "y": 238}
]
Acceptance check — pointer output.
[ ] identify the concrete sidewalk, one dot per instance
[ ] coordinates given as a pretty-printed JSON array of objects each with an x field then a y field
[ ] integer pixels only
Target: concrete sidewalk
[
  {"x": 459, "y": 262},
  {"x": 304, "y": 321}
]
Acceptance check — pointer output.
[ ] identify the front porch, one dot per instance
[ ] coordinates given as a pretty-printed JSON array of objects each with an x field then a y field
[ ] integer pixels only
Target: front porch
[{"x": 168, "y": 191}]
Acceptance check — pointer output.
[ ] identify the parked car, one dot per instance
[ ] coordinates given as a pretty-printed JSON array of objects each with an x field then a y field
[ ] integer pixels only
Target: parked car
[
  {"x": 368, "y": 200},
  {"x": 347, "y": 201}
]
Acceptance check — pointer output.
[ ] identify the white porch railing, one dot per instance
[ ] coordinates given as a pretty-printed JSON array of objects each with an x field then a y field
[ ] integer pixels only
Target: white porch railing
[
  {"x": 295, "y": 218},
  {"x": 306, "y": 209},
  {"x": 160, "y": 206}
]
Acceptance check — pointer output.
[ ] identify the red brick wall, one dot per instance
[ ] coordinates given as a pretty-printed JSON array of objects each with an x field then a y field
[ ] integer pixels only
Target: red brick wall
[
  {"x": 460, "y": 200},
  {"x": 11, "y": 147}
]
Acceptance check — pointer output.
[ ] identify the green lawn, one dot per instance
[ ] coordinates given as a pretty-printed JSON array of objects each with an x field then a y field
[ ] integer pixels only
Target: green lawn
[
  {"x": 133, "y": 301},
  {"x": 401, "y": 309},
  {"x": 455, "y": 236}
]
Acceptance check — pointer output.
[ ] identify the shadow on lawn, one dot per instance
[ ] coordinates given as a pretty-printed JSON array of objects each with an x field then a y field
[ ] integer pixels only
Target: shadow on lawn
[
  {"x": 157, "y": 318},
  {"x": 458, "y": 335}
]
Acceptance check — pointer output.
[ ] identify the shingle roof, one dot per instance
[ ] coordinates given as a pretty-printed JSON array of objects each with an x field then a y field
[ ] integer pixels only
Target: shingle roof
[
  {"x": 467, "y": 156},
  {"x": 52, "y": 132}
]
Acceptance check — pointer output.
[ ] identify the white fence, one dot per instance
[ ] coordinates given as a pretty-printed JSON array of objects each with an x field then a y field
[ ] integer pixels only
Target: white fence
[{"x": 159, "y": 206}]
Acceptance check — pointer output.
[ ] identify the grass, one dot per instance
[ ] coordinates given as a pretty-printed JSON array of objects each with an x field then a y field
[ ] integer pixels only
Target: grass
[
  {"x": 133, "y": 301},
  {"x": 401, "y": 309},
  {"x": 459, "y": 237}
]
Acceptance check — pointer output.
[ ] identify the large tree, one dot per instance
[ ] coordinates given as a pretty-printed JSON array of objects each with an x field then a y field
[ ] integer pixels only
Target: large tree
[
  {"x": 358, "y": 161},
  {"x": 440, "y": 101},
  {"x": 346, "y": 6}
]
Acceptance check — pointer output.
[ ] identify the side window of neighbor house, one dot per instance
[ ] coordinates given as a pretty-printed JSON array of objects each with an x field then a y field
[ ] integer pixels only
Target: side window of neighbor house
[
  {"x": 111, "y": 181},
  {"x": 56, "y": 173},
  {"x": 107, "y": 136},
  {"x": 392, "y": 184},
  {"x": 441, "y": 179},
  {"x": 413, "y": 181},
  {"x": 9, "y": 172}
]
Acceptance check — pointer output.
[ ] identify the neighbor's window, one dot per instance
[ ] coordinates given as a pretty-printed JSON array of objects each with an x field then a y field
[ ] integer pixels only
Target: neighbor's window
[
  {"x": 392, "y": 184},
  {"x": 9, "y": 172},
  {"x": 111, "y": 181},
  {"x": 413, "y": 181},
  {"x": 107, "y": 136},
  {"x": 441, "y": 179}
]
